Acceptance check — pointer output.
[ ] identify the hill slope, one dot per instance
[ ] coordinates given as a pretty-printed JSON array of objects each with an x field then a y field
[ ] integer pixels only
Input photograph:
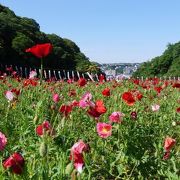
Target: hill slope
[{"x": 168, "y": 64}]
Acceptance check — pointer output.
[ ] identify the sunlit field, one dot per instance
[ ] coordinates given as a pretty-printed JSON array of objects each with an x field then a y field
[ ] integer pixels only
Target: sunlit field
[{"x": 89, "y": 130}]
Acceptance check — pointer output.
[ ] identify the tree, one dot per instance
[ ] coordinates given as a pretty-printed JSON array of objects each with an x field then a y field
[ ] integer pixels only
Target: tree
[{"x": 21, "y": 42}]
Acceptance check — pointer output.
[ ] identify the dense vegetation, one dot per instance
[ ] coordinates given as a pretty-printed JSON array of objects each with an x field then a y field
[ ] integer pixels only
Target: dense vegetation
[
  {"x": 165, "y": 65},
  {"x": 89, "y": 130},
  {"x": 18, "y": 33}
]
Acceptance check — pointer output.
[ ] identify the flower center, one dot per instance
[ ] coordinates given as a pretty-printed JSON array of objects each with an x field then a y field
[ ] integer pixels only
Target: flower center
[{"x": 104, "y": 130}]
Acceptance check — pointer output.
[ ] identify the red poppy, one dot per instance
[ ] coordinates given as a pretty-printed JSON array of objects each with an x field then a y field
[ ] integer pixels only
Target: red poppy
[
  {"x": 65, "y": 109},
  {"x": 82, "y": 82},
  {"x": 166, "y": 155},
  {"x": 15, "y": 162},
  {"x": 176, "y": 85},
  {"x": 16, "y": 91},
  {"x": 31, "y": 82},
  {"x": 14, "y": 74},
  {"x": 155, "y": 81},
  {"x": 106, "y": 92},
  {"x": 138, "y": 95},
  {"x": 136, "y": 81},
  {"x": 97, "y": 110},
  {"x": 99, "y": 106},
  {"x": 92, "y": 112},
  {"x": 40, "y": 50},
  {"x": 101, "y": 78},
  {"x": 144, "y": 86},
  {"x": 128, "y": 98},
  {"x": 158, "y": 89},
  {"x": 178, "y": 110},
  {"x": 75, "y": 103},
  {"x": 44, "y": 127},
  {"x": 72, "y": 92},
  {"x": 133, "y": 115}
]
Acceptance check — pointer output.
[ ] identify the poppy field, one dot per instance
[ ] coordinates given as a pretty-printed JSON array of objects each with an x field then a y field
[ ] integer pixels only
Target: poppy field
[{"x": 127, "y": 129}]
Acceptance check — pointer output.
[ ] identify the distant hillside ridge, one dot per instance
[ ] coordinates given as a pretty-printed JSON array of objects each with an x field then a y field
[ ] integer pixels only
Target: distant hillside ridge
[
  {"x": 19, "y": 33},
  {"x": 168, "y": 64}
]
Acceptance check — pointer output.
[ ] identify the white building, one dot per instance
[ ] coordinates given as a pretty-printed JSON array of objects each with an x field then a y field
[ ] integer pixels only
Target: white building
[{"x": 110, "y": 72}]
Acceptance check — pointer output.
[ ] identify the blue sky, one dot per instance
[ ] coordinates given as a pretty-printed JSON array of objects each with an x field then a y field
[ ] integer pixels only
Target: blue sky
[{"x": 108, "y": 30}]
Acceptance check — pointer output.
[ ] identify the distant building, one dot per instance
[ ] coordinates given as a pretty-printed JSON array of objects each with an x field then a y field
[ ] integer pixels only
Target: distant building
[
  {"x": 110, "y": 72},
  {"x": 118, "y": 69},
  {"x": 127, "y": 70}
]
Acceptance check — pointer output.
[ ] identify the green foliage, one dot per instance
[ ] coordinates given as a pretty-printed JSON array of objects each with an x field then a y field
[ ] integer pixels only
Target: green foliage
[
  {"x": 133, "y": 151},
  {"x": 165, "y": 65},
  {"x": 20, "y": 42}
]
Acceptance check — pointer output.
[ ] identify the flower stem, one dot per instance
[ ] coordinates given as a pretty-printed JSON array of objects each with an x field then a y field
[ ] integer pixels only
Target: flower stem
[
  {"x": 6, "y": 118},
  {"x": 41, "y": 73}
]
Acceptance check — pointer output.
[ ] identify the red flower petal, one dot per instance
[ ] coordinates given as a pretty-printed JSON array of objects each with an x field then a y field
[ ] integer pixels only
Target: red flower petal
[{"x": 40, "y": 50}]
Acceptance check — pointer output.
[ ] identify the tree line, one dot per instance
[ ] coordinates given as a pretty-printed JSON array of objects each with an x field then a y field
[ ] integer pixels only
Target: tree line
[{"x": 168, "y": 64}]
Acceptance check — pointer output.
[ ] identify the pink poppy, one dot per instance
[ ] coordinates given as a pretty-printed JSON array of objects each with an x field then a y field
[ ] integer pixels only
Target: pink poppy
[
  {"x": 3, "y": 141},
  {"x": 56, "y": 98},
  {"x": 85, "y": 101},
  {"x": 10, "y": 69},
  {"x": 77, "y": 154},
  {"x": 104, "y": 130},
  {"x": 9, "y": 95},
  {"x": 69, "y": 81},
  {"x": 155, "y": 107},
  {"x": 83, "y": 104},
  {"x": 32, "y": 74},
  {"x": 169, "y": 143},
  {"x": 116, "y": 117},
  {"x": 79, "y": 147}
]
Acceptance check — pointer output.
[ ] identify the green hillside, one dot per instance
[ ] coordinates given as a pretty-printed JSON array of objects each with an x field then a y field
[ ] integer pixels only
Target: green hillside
[
  {"x": 168, "y": 64},
  {"x": 18, "y": 33}
]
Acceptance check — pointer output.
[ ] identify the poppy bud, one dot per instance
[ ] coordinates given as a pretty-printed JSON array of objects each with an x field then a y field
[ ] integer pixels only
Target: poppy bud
[
  {"x": 53, "y": 107},
  {"x": 43, "y": 149},
  {"x": 133, "y": 115},
  {"x": 69, "y": 168},
  {"x": 173, "y": 123},
  {"x": 35, "y": 119}
]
